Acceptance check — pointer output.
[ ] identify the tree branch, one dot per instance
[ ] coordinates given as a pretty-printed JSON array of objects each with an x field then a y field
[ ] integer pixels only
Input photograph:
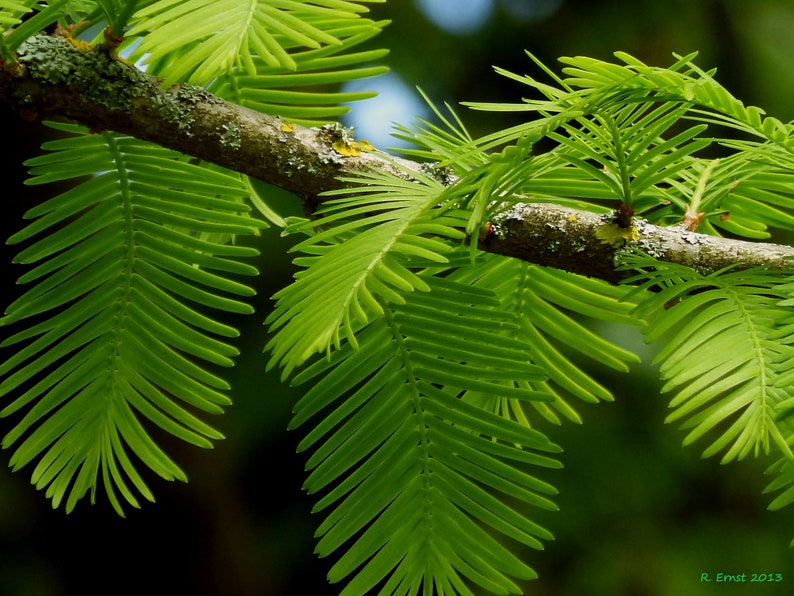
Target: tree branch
[
  {"x": 55, "y": 79},
  {"x": 569, "y": 239}
]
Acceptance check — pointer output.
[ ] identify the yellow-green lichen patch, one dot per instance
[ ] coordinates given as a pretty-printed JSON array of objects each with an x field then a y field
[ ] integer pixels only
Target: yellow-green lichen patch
[{"x": 101, "y": 79}]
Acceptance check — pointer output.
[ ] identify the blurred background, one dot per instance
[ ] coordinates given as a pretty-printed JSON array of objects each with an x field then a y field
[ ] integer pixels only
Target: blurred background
[{"x": 639, "y": 515}]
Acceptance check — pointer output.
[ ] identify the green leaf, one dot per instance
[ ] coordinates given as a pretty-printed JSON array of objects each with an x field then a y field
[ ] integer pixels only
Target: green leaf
[
  {"x": 547, "y": 306},
  {"x": 201, "y": 40},
  {"x": 735, "y": 319},
  {"x": 116, "y": 338},
  {"x": 361, "y": 261},
  {"x": 417, "y": 478}
]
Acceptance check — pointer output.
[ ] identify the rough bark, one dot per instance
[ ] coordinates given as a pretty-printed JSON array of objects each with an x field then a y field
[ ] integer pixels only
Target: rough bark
[
  {"x": 570, "y": 239},
  {"x": 54, "y": 79}
]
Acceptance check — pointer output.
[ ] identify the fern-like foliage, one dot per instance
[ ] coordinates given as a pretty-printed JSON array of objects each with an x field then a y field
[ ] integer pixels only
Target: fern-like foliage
[
  {"x": 125, "y": 262},
  {"x": 127, "y": 285},
  {"x": 432, "y": 362},
  {"x": 416, "y": 472},
  {"x": 263, "y": 55},
  {"x": 739, "y": 319},
  {"x": 784, "y": 466},
  {"x": 360, "y": 261},
  {"x": 741, "y": 394},
  {"x": 302, "y": 97},
  {"x": 208, "y": 37},
  {"x": 623, "y": 148},
  {"x": 611, "y": 124},
  {"x": 550, "y": 308}
]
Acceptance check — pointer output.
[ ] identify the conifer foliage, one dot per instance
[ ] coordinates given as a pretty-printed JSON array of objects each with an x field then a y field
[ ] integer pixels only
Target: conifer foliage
[{"x": 427, "y": 363}]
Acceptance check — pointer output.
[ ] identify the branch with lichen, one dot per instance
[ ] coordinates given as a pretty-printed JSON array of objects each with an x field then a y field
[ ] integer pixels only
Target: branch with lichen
[
  {"x": 55, "y": 79},
  {"x": 573, "y": 240}
]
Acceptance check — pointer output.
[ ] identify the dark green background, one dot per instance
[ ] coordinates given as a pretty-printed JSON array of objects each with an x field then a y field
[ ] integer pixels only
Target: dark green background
[{"x": 640, "y": 516}]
